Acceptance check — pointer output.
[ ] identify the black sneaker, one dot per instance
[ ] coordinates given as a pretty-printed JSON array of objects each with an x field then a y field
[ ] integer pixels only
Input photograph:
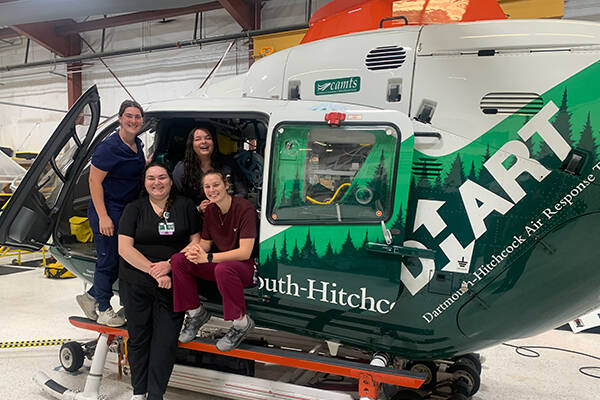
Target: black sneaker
[
  {"x": 192, "y": 325},
  {"x": 234, "y": 336}
]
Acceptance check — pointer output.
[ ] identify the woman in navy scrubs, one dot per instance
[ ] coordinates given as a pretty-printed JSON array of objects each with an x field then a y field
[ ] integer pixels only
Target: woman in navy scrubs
[{"x": 117, "y": 165}]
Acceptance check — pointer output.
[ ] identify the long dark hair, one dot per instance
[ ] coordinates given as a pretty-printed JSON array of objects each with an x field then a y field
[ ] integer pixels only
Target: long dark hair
[
  {"x": 192, "y": 175},
  {"x": 172, "y": 192}
]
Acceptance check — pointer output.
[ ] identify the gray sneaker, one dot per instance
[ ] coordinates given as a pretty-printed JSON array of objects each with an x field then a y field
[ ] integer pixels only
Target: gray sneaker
[
  {"x": 192, "y": 325},
  {"x": 110, "y": 318},
  {"x": 234, "y": 336},
  {"x": 88, "y": 304}
]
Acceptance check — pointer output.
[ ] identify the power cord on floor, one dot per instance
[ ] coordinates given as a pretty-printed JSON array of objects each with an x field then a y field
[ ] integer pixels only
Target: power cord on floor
[{"x": 521, "y": 350}]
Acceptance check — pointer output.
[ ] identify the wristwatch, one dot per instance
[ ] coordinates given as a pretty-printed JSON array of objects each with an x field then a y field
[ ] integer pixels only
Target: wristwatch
[{"x": 209, "y": 257}]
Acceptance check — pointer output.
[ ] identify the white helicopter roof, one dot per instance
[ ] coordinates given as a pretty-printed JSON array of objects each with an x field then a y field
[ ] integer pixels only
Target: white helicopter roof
[
  {"x": 507, "y": 34},
  {"x": 249, "y": 104}
]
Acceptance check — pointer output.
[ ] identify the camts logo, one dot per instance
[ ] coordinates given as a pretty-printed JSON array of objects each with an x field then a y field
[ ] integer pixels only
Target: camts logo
[{"x": 336, "y": 86}]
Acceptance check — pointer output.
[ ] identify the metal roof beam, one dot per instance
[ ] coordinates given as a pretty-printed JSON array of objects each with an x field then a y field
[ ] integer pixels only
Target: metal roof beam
[
  {"x": 134, "y": 18},
  {"x": 43, "y": 34},
  {"x": 241, "y": 12}
]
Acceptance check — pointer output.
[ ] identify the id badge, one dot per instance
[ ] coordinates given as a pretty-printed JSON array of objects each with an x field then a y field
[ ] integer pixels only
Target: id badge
[{"x": 166, "y": 228}]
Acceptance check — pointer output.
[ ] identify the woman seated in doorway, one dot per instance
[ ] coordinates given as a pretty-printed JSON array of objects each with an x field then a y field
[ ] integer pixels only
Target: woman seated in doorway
[
  {"x": 151, "y": 230},
  {"x": 230, "y": 225},
  {"x": 201, "y": 155}
]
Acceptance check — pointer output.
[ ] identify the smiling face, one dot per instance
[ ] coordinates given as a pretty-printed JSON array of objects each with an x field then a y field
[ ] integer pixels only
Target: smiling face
[
  {"x": 215, "y": 188},
  {"x": 131, "y": 121},
  {"x": 203, "y": 143},
  {"x": 157, "y": 183}
]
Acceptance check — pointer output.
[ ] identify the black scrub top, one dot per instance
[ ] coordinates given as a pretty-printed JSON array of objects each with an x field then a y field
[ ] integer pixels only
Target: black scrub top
[{"x": 140, "y": 222}]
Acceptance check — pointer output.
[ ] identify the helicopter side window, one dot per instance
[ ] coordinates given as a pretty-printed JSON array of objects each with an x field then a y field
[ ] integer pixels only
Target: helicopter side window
[
  {"x": 57, "y": 170},
  {"x": 325, "y": 175}
]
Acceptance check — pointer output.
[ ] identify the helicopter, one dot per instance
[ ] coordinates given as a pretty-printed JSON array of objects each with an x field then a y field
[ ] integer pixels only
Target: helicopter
[{"x": 424, "y": 191}]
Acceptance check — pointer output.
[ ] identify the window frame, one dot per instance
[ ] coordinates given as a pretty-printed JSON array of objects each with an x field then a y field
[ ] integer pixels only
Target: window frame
[{"x": 271, "y": 199}]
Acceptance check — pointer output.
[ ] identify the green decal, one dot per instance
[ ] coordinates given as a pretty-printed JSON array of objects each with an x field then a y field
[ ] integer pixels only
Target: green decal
[{"x": 336, "y": 86}]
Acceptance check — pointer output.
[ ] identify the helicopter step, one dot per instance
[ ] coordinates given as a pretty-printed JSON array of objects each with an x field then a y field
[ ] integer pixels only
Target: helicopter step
[{"x": 369, "y": 376}]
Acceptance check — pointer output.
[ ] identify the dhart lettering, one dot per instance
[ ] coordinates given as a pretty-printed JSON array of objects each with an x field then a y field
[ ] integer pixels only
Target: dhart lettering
[
  {"x": 518, "y": 240},
  {"x": 480, "y": 202}
]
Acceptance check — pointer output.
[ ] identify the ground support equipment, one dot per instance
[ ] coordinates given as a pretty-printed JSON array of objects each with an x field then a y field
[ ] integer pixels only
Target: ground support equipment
[{"x": 236, "y": 386}]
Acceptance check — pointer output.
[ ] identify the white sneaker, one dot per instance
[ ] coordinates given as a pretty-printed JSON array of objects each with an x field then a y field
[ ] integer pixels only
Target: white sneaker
[
  {"x": 138, "y": 397},
  {"x": 88, "y": 304},
  {"x": 110, "y": 318}
]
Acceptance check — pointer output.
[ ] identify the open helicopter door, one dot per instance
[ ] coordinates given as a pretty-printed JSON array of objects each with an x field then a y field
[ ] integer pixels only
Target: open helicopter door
[
  {"x": 338, "y": 182},
  {"x": 29, "y": 217}
]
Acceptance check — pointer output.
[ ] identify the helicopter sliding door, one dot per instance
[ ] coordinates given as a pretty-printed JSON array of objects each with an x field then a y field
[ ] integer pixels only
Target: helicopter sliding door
[
  {"x": 336, "y": 183},
  {"x": 29, "y": 217}
]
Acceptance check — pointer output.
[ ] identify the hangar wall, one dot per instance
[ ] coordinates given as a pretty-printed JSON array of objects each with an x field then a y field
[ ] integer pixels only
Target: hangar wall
[
  {"x": 152, "y": 76},
  {"x": 149, "y": 77}
]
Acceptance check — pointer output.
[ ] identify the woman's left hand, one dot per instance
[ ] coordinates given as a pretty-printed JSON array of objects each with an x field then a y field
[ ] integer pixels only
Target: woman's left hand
[
  {"x": 164, "y": 282},
  {"x": 196, "y": 254},
  {"x": 159, "y": 269}
]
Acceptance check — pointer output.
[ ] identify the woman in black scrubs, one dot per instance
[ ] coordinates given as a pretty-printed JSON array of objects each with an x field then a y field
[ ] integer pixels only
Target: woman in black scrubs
[{"x": 151, "y": 230}]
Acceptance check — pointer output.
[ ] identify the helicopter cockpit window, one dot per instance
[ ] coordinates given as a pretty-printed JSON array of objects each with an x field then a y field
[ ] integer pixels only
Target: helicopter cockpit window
[
  {"x": 320, "y": 174},
  {"x": 56, "y": 172}
]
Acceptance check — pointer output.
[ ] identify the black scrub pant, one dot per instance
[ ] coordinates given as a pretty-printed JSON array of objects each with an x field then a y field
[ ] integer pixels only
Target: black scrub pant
[{"x": 153, "y": 332}]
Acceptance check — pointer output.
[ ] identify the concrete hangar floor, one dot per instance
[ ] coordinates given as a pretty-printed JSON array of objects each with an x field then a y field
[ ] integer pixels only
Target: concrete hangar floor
[{"x": 35, "y": 308}]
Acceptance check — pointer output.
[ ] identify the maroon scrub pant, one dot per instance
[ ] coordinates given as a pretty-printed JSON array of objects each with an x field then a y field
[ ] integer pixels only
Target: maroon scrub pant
[{"x": 231, "y": 278}]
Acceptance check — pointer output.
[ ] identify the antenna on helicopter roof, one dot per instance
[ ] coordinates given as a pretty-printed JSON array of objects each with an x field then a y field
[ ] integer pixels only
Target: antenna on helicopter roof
[{"x": 110, "y": 70}]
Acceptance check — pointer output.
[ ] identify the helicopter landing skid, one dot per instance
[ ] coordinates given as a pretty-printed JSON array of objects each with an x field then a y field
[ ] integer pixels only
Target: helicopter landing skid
[{"x": 370, "y": 377}]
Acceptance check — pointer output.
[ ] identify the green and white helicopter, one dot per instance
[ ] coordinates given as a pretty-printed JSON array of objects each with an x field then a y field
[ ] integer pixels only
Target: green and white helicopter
[{"x": 424, "y": 191}]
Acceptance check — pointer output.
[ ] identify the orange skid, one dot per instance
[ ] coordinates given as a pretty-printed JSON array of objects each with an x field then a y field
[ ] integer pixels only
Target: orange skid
[
  {"x": 287, "y": 358},
  {"x": 340, "y": 17}
]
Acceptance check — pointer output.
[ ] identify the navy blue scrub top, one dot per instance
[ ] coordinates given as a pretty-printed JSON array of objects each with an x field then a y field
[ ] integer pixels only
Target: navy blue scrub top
[{"x": 124, "y": 168}]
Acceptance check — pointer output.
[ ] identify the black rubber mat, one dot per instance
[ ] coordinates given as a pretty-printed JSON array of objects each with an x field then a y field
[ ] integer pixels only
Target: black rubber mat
[
  {"x": 34, "y": 263},
  {"x": 5, "y": 270}
]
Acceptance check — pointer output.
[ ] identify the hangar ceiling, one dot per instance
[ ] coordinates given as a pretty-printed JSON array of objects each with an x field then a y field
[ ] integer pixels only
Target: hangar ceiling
[
  {"x": 56, "y": 27},
  {"x": 14, "y": 12},
  {"x": 56, "y": 24}
]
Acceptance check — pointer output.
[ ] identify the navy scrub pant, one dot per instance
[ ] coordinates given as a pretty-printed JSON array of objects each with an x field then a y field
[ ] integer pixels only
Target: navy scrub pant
[
  {"x": 107, "y": 254},
  {"x": 153, "y": 333}
]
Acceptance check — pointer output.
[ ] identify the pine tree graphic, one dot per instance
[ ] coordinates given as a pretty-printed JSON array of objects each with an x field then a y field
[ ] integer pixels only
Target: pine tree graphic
[
  {"x": 283, "y": 254},
  {"x": 284, "y": 201},
  {"x": 379, "y": 183},
  {"x": 295, "y": 259},
  {"x": 456, "y": 176},
  {"x": 562, "y": 121},
  {"x": 586, "y": 141},
  {"x": 348, "y": 249},
  {"x": 295, "y": 200},
  {"x": 473, "y": 173},
  {"x": 308, "y": 252},
  {"x": 487, "y": 154}
]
